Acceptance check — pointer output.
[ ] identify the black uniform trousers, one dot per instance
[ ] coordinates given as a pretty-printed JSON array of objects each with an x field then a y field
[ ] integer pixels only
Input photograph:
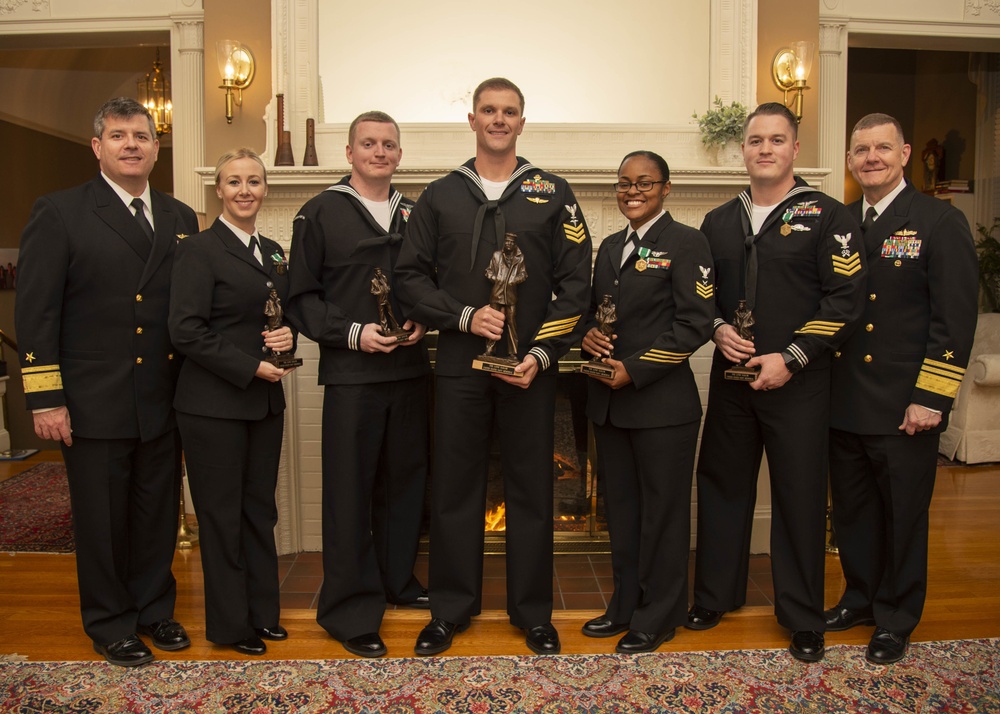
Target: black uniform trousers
[
  {"x": 232, "y": 467},
  {"x": 375, "y": 440},
  {"x": 124, "y": 500},
  {"x": 791, "y": 425},
  {"x": 466, "y": 408},
  {"x": 882, "y": 488},
  {"x": 647, "y": 494}
]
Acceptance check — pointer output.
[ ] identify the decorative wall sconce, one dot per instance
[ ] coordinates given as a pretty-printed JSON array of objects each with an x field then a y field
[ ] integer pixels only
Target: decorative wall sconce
[
  {"x": 236, "y": 66},
  {"x": 154, "y": 94},
  {"x": 790, "y": 70}
]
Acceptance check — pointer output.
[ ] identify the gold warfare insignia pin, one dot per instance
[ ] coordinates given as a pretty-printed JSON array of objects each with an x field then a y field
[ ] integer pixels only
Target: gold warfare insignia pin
[
  {"x": 535, "y": 199},
  {"x": 181, "y": 236}
]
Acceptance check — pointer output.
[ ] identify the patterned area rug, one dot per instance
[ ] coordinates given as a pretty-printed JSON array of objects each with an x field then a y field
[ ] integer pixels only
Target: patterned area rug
[
  {"x": 34, "y": 511},
  {"x": 960, "y": 676}
]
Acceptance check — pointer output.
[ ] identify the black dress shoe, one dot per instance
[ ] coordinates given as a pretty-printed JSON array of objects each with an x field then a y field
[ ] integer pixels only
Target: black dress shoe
[
  {"x": 701, "y": 618},
  {"x": 636, "y": 641},
  {"x": 807, "y": 646},
  {"x": 367, "y": 645},
  {"x": 841, "y": 618},
  {"x": 542, "y": 639},
  {"x": 126, "y": 652},
  {"x": 277, "y": 632},
  {"x": 886, "y": 647},
  {"x": 167, "y": 634},
  {"x": 436, "y": 636},
  {"x": 251, "y": 646},
  {"x": 603, "y": 627}
]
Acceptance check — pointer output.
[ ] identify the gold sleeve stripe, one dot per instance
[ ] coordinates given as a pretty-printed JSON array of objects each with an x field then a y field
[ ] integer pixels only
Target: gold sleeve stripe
[
  {"x": 944, "y": 368},
  {"x": 705, "y": 291},
  {"x": 577, "y": 234},
  {"x": 675, "y": 359},
  {"x": 45, "y": 382},
  {"x": 553, "y": 333},
  {"x": 40, "y": 368},
  {"x": 818, "y": 327},
  {"x": 557, "y": 327},
  {"x": 846, "y": 266},
  {"x": 664, "y": 353},
  {"x": 945, "y": 386},
  {"x": 565, "y": 321}
]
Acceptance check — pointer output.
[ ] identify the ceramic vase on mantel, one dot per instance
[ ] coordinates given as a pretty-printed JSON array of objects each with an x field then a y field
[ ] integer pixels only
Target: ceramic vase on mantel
[
  {"x": 283, "y": 157},
  {"x": 311, "y": 158},
  {"x": 729, "y": 155}
]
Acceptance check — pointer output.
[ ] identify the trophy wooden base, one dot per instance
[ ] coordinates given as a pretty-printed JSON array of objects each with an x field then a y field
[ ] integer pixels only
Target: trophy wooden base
[
  {"x": 497, "y": 365},
  {"x": 400, "y": 334},
  {"x": 742, "y": 373},
  {"x": 598, "y": 369},
  {"x": 284, "y": 361}
]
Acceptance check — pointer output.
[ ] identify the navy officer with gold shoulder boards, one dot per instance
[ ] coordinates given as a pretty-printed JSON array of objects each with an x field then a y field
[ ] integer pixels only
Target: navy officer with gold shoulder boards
[
  {"x": 99, "y": 375},
  {"x": 893, "y": 386}
]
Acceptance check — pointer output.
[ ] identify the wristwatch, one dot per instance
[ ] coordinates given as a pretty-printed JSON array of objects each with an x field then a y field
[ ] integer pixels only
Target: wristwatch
[{"x": 791, "y": 363}]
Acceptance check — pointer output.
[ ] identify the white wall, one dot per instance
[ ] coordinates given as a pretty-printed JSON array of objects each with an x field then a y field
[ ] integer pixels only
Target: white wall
[{"x": 579, "y": 61}]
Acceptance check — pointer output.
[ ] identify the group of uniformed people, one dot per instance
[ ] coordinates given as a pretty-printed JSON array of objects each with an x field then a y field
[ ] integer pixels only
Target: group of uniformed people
[{"x": 114, "y": 289}]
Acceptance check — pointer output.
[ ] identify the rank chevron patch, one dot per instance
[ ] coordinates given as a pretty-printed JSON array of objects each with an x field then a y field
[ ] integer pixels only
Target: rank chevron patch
[
  {"x": 940, "y": 377},
  {"x": 819, "y": 327},
  {"x": 577, "y": 234},
  {"x": 846, "y": 266},
  {"x": 557, "y": 327},
  {"x": 703, "y": 290}
]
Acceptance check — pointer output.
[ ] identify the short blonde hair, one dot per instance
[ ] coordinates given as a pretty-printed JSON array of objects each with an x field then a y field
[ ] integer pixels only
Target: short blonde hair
[{"x": 244, "y": 153}]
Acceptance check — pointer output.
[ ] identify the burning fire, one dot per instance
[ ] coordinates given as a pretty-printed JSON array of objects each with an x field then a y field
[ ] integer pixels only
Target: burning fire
[{"x": 496, "y": 518}]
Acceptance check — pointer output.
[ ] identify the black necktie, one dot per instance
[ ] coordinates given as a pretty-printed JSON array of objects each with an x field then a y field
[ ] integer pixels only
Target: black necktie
[
  {"x": 140, "y": 218},
  {"x": 869, "y": 221},
  {"x": 628, "y": 246},
  {"x": 254, "y": 245}
]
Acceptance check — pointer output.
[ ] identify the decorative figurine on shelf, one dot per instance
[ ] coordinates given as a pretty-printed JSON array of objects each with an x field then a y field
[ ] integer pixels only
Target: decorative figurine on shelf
[
  {"x": 283, "y": 157},
  {"x": 311, "y": 158}
]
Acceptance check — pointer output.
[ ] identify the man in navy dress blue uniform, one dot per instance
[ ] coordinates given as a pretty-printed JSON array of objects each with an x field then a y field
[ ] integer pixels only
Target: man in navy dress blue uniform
[
  {"x": 99, "y": 374},
  {"x": 894, "y": 382}
]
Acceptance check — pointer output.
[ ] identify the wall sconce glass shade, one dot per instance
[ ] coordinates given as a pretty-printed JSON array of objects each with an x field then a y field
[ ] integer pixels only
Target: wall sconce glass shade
[
  {"x": 236, "y": 67},
  {"x": 153, "y": 92},
  {"x": 790, "y": 71}
]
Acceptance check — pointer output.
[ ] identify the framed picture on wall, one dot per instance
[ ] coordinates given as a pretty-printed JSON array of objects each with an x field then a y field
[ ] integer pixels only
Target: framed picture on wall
[{"x": 8, "y": 268}]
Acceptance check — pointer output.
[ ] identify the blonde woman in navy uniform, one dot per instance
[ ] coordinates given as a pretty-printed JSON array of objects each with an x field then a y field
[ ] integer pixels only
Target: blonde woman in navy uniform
[
  {"x": 230, "y": 404},
  {"x": 658, "y": 274}
]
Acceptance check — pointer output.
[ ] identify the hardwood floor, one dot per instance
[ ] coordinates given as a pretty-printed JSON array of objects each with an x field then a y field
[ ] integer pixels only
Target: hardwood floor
[{"x": 40, "y": 619}]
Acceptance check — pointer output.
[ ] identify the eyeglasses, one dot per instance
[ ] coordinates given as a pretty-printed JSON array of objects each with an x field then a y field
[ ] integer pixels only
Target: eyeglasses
[{"x": 641, "y": 186}]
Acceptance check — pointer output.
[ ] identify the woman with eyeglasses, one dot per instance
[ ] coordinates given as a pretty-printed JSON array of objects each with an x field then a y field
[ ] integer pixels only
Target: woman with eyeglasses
[
  {"x": 655, "y": 278},
  {"x": 230, "y": 403}
]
